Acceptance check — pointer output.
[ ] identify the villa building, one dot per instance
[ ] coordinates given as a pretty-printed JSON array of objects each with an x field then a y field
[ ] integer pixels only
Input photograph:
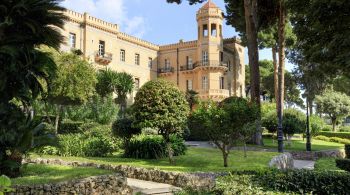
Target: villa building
[{"x": 211, "y": 65}]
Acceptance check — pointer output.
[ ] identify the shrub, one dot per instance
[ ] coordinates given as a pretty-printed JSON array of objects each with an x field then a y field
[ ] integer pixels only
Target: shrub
[
  {"x": 153, "y": 147},
  {"x": 347, "y": 151},
  {"x": 343, "y": 164},
  {"x": 333, "y": 139},
  {"x": 69, "y": 126},
  {"x": 149, "y": 131},
  {"x": 47, "y": 150},
  {"x": 327, "y": 128},
  {"x": 345, "y": 135},
  {"x": 293, "y": 121},
  {"x": 316, "y": 124},
  {"x": 304, "y": 181},
  {"x": 344, "y": 129},
  {"x": 197, "y": 129},
  {"x": 123, "y": 129},
  {"x": 269, "y": 121},
  {"x": 83, "y": 145}
]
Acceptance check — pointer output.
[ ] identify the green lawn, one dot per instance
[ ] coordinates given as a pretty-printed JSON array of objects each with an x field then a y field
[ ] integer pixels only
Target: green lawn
[
  {"x": 299, "y": 145},
  {"x": 196, "y": 159},
  {"x": 42, "y": 174},
  {"x": 326, "y": 164}
]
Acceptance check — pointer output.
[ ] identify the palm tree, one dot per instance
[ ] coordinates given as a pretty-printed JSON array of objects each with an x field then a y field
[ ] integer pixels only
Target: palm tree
[
  {"x": 123, "y": 87},
  {"x": 106, "y": 80},
  {"x": 192, "y": 98},
  {"x": 24, "y": 25}
]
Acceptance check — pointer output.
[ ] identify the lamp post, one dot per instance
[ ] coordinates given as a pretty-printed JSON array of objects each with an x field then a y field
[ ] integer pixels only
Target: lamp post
[{"x": 308, "y": 140}]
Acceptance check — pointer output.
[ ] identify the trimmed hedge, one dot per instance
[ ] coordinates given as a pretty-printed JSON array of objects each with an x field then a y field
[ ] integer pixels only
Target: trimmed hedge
[
  {"x": 344, "y": 129},
  {"x": 344, "y": 135},
  {"x": 333, "y": 139},
  {"x": 343, "y": 164},
  {"x": 153, "y": 147},
  {"x": 347, "y": 151},
  {"x": 305, "y": 181}
]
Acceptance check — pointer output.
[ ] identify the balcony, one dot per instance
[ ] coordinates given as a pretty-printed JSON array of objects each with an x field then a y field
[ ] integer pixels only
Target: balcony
[
  {"x": 205, "y": 65},
  {"x": 165, "y": 71},
  {"x": 214, "y": 94},
  {"x": 104, "y": 59}
]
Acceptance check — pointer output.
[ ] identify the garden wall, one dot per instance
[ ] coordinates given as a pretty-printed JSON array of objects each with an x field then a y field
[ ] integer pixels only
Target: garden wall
[
  {"x": 104, "y": 185},
  {"x": 314, "y": 155},
  {"x": 173, "y": 178}
]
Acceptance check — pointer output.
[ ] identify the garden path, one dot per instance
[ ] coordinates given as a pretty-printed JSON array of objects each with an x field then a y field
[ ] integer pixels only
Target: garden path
[{"x": 148, "y": 187}]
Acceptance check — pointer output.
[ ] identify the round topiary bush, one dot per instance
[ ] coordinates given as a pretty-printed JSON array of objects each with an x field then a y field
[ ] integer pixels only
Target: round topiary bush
[{"x": 124, "y": 129}]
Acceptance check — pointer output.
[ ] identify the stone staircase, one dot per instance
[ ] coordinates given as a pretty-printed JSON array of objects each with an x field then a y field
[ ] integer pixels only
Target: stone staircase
[{"x": 141, "y": 187}]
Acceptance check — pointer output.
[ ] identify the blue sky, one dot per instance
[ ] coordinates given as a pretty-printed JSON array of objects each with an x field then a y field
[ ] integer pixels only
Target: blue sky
[{"x": 153, "y": 20}]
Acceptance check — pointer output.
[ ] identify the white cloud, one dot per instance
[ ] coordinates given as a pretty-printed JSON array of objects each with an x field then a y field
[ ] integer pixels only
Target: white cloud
[{"x": 112, "y": 11}]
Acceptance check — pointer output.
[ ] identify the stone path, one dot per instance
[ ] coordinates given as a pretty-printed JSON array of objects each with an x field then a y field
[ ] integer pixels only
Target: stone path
[
  {"x": 147, "y": 187},
  {"x": 304, "y": 164}
]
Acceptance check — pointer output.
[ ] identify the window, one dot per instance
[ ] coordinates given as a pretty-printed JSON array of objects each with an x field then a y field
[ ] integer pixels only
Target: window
[
  {"x": 221, "y": 56},
  {"x": 189, "y": 85},
  {"x": 167, "y": 64},
  {"x": 205, "y": 30},
  {"x": 220, "y": 29},
  {"x": 137, "y": 59},
  {"x": 199, "y": 32},
  {"x": 205, "y": 83},
  {"x": 101, "y": 48},
  {"x": 137, "y": 84},
  {"x": 205, "y": 58},
  {"x": 229, "y": 65},
  {"x": 189, "y": 63},
  {"x": 222, "y": 82},
  {"x": 122, "y": 55},
  {"x": 72, "y": 40},
  {"x": 150, "y": 62},
  {"x": 213, "y": 30}
]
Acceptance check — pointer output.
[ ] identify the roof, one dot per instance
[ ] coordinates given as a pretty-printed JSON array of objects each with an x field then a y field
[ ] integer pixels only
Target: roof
[{"x": 209, "y": 4}]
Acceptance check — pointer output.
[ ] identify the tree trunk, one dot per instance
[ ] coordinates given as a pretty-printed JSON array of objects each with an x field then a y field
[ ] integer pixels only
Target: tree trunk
[
  {"x": 250, "y": 11},
  {"x": 245, "y": 149},
  {"x": 275, "y": 74},
  {"x": 281, "y": 54},
  {"x": 225, "y": 156},
  {"x": 59, "y": 110},
  {"x": 334, "y": 123},
  {"x": 123, "y": 105},
  {"x": 169, "y": 149}
]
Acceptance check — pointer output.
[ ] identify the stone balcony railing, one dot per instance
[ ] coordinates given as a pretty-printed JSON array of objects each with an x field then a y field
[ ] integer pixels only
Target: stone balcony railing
[
  {"x": 166, "y": 71},
  {"x": 205, "y": 64},
  {"x": 214, "y": 93},
  {"x": 104, "y": 59}
]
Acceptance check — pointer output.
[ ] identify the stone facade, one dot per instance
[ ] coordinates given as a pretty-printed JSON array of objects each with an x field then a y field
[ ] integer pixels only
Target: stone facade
[
  {"x": 211, "y": 65},
  {"x": 282, "y": 161},
  {"x": 314, "y": 155},
  {"x": 173, "y": 178},
  {"x": 98, "y": 185}
]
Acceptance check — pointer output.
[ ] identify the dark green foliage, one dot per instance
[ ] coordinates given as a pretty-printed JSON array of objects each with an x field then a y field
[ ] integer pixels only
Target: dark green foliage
[
  {"x": 123, "y": 129},
  {"x": 269, "y": 121},
  {"x": 345, "y": 135},
  {"x": 333, "y": 139},
  {"x": 347, "y": 151},
  {"x": 294, "y": 121},
  {"x": 70, "y": 127},
  {"x": 305, "y": 181},
  {"x": 197, "y": 129},
  {"x": 343, "y": 164},
  {"x": 153, "y": 147}
]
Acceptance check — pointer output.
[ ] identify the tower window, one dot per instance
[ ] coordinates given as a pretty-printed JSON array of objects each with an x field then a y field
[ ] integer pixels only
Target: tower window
[
  {"x": 222, "y": 84},
  {"x": 72, "y": 40},
  {"x": 122, "y": 55},
  {"x": 189, "y": 63},
  {"x": 167, "y": 64},
  {"x": 205, "y": 30},
  {"x": 137, "y": 84},
  {"x": 150, "y": 62},
  {"x": 221, "y": 56},
  {"x": 205, "y": 83},
  {"x": 137, "y": 59},
  {"x": 101, "y": 48},
  {"x": 199, "y": 32},
  {"x": 229, "y": 65},
  {"x": 220, "y": 30},
  {"x": 189, "y": 85},
  {"x": 205, "y": 58},
  {"x": 213, "y": 30}
]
